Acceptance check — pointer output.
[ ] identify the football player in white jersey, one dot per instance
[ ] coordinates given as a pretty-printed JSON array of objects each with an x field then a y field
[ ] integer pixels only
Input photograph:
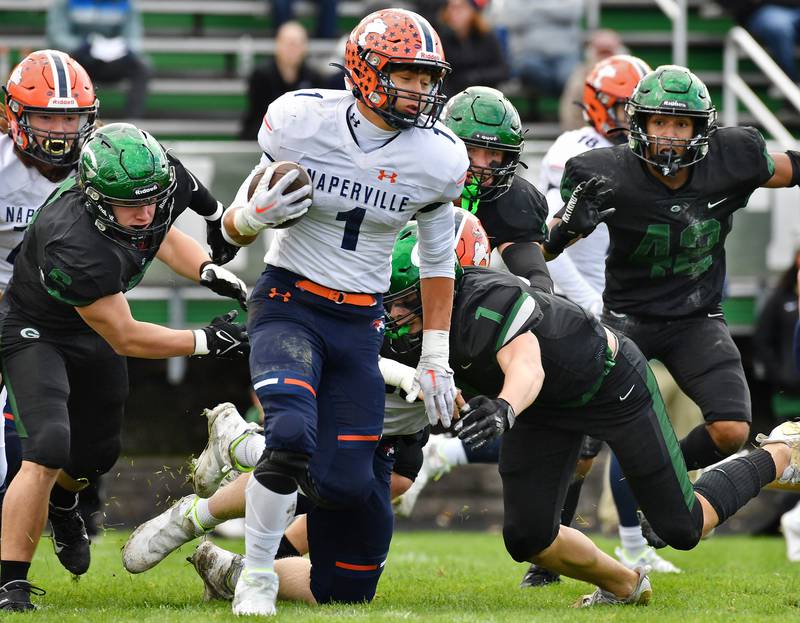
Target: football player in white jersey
[
  {"x": 377, "y": 157},
  {"x": 579, "y": 272}
]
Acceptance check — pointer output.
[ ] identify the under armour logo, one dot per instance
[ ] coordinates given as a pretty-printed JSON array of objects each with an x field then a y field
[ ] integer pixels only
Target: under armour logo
[
  {"x": 354, "y": 121},
  {"x": 285, "y": 296},
  {"x": 383, "y": 175}
]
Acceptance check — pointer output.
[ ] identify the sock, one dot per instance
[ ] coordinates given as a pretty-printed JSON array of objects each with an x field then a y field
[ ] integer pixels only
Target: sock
[
  {"x": 267, "y": 516},
  {"x": 63, "y": 499},
  {"x": 490, "y": 453},
  {"x": 631, "y": 538},
  {"x": 699, "y": 450},
  {"x": 623, "y": 496},
  {"x": 247, "y": 450},
  {"x": 11, "y": 570},
  {"x": 286, "y": 549},
  {"x": 571, "y": 501},
  {"x": 202, "y": 516},
  {"x": 452, "y": 449}
]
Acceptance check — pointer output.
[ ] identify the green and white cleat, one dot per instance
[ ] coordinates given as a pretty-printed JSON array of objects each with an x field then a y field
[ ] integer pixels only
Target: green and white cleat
[
  {"x": 647, "y": 557},
  {"x": 216, "y": 466},
  {"x": 219, "y": 570},
  {"x": 256, "y": 593},
  {"x": 786, "y": 433},
  {"x": 639, "y": 597},
  {"x": 155, "y": 539}
]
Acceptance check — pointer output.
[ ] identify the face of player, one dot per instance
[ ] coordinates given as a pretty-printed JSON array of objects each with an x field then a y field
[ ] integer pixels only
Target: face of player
[
  {"x": 677, "y": 128},
  {"x": 481, "y": 159},
  {"x": 49, "y": 129},
  {"x": 403, "y": 311},
  {"x": 415, "y": 81},
  {"x": 135, "y": 218}
]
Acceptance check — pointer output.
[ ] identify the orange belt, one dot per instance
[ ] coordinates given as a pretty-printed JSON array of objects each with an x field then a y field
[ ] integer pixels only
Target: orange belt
[{"x": 337, "y": 296}]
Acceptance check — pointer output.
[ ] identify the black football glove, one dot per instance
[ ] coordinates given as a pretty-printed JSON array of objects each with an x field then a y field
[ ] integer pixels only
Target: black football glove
[
  {"x": 223, "y": 282},
  {"x": 222, "y": 338},
  {"x": 484, "y": 419},
  {"x": 222, "y": 251},
  {"x": 582, "y": 214}
]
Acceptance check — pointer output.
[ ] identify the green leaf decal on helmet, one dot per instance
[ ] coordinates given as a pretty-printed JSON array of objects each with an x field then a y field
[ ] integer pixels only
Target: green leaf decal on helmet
[
  {"x": 676, "y": 91},
  {"x": 483, "y": 117},
  {"x": 126, "y": 167}
]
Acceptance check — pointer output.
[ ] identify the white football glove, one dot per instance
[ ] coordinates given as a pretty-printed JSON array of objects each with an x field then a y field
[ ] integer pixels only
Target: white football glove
[
  {"x": 435, "y": 378},
  {"x": 223, "y": 282},
  {"x": 270, "y": 207}
]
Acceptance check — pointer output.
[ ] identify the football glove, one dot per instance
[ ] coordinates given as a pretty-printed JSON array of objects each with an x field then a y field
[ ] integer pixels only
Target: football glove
[
  {"x": 484, "y": 419},
  {"x": 223, "y": 282},
  {"x": 270, "y": 207},
  {"x": 222, "y": 251},
  {"x": 582, "y": 214},
  {"x": 222, "y": 338},
  {"x": 434, "y": 378}
]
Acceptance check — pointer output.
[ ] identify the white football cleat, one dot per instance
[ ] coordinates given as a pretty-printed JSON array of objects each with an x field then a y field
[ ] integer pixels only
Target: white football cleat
[
  {"x": 790, "y": 524},
  {"x": 219, "y": 570},
  {"x": 786, "y": 433},
  {"x": 647, "y": 557},
  {"x": 155, "y": 539},
  {"x": 215, "y": 466},
  {"x": 256, "y": 593},
  {"x": 640, "y": 596},
  {"x": 434, "y": 466}
]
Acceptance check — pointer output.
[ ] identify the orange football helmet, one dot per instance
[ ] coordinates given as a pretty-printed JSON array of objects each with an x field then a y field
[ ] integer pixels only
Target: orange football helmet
[
  {"x": 49, "y": 82},
  {"x": 472, "y": 243},
  {"x": 608, "y": 87},
  {"x": 388, "y": 38}
]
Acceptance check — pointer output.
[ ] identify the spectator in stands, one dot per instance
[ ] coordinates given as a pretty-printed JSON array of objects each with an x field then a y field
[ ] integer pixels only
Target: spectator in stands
[
  {"x": 283, "y": 11},
  {"x": 105, "y": 36},
  {"x": 286, "y": 71},
  {"x": 601, "y": 45},
  {"x": 470, "y": 47},
  {"x": 544, "y": 41},
  {"x": 776, "y": 23},
  {"x": 772, "y": 343}
]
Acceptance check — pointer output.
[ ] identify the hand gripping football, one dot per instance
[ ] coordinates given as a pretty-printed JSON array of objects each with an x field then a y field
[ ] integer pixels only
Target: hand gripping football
[{"x": 279, "y": 169}]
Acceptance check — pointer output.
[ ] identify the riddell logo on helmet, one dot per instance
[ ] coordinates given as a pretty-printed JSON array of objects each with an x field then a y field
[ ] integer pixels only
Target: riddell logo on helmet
[
  {"x": 428, "y": 56},
  {"x": 674, "y": 104},
  {"x": 65, "y": 102},
  {"x": 146, "y": 190},
  {"x": 485, "y": 137}
]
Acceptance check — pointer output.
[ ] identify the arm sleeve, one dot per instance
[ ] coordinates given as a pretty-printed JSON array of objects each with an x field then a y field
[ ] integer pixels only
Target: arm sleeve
[
  {"x": 436, "y": 254},
  {"x": 525, "y": 259}
]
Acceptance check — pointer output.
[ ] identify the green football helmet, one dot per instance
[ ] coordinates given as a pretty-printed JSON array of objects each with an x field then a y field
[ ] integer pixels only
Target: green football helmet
[
  {"x": 671, "y": 90},
  {"x": 126, "y": 167},
  {"x": 483, "y": 117},
  {"x": 404, "y": 291}
]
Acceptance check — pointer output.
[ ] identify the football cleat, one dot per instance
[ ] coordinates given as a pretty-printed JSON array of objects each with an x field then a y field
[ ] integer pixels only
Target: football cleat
[
  {"x": 155, "y": 539},
  {"x": 434, "y": 466},
  {"x": 256, "y": 593},
  {"x": 640, "y": 596},
  {"x": 216, "y": 466},
  {"x": 787, "y": 433},
  {"x": 790, "y": 524},
  {"x": 70, "y": 540},
  {"x": 15, "y": 596},
  {"x": 538, "y": 576},
  {"x": 219, "y": 570},
  {"x": 648, "y": 557}
]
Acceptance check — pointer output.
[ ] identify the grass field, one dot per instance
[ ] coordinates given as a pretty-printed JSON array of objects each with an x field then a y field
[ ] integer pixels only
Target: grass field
[{"x": 437, "y": 576}]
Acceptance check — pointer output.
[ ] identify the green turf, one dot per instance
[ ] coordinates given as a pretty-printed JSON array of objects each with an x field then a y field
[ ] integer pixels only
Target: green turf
[{"x": 439, "y": 576}]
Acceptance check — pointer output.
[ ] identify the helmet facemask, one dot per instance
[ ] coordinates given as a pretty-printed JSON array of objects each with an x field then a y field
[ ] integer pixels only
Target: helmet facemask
[
  {"x": 398, "y": 330},
  {"x": 487, "y": 183}
]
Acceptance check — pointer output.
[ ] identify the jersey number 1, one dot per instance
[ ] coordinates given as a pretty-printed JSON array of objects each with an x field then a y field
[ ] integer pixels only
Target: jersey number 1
[
  {"x": 352, "y": 227},
  {"x": 696, "y": 242}
]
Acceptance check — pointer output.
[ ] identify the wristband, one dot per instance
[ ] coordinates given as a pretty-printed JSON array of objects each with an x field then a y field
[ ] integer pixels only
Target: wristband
[
  {"x": 244, "y": 224},
  {"x": 203, "y": 266},
  {"x": 435, "y": 345},
  {"x": 200, "y": 342},
  {"x": 217, "y": 213}
]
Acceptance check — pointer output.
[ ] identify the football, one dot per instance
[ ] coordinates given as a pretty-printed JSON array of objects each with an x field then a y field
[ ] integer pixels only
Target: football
[{"x": 279, "y": 170}]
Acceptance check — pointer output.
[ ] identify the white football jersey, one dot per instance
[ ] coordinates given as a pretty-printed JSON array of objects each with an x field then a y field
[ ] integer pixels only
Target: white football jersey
[
  {"x": 361, "y": 200},
  {"x": 579, "y": 272},
  {"x": 22, "y": 191}
]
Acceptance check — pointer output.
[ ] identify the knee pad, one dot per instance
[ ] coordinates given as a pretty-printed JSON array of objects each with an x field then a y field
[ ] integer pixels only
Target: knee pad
[
  {"x": 283, "y": 471},
  {"x": 522, "y": 544},
  {"x": 92, "y": 460},
  {"x": 49, "y": 446}
]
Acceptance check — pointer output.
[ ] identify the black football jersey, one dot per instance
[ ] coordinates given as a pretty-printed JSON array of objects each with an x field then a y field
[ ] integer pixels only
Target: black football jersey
[
  {"x": 65, "y": 262},
  {"x": 492, "y": 308},
  {"x": 666, "y": 257},
  {"x": 518, "y": 215}
]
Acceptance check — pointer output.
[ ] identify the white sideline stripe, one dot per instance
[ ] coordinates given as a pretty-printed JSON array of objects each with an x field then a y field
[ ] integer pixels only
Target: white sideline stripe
[
  {"x": 260, "y": 384},
  {"x": 525, "y": 312}
]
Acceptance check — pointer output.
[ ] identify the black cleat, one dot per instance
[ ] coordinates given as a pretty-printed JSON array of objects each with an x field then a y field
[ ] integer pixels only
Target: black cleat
[
  {"x": 538, "y": 576},
  {"x": 653, "y": 540},
  {"x": 70, "y": 539},
  {"x": 15, "y": 596}
]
